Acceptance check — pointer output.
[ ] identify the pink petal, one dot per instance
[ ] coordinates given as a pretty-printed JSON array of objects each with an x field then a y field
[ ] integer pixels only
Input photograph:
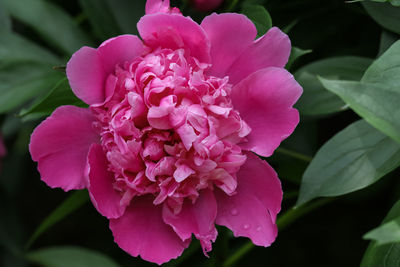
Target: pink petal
[
  {"x": 104, "y": 197},
  {"x": 60, "y": 145},
  {"x": 197, "y": 219},
  {"x": 118, "y": 50},
  {"x": 162, "y": 6},
  {"x": 230, "y": 35},
  {"x": 141, "y": 231},
  {"x": 175, "y": 31},
  {"x": 252, "y": 211},
  {"x": 88, "y": 68},
  {"x": 271, "y": 50},
  {"x": 264, "y": 100},
  {"x": 86, "y": 75},
  {"x": 3, "y": 150}
]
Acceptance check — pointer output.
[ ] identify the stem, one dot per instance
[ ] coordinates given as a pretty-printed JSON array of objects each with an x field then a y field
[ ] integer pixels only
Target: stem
[
  {"x": 294, "y": 154},
  {"x": 283, "y": 221}
]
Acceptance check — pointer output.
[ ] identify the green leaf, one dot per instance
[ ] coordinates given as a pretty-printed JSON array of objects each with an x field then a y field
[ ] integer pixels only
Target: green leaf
[
  {"x": 353, "y": 159},
  {"x": 386, "y": 233},
  {"x": 21, "y": 82},
  {"x": 385, "y": 14},
  {"x": 72, "y": 203},
  {"x": 295, "y": 54},
  {"x": 60, "y": 95},
  {"x": 387, "y": 39},
  {"x": 393, "y": 2},
  {"x": 384, "y": 255},
  {"x": 50, "y": 21},
  {"x": 67, "y": 256},
  {"x": 377, "y": 96},
  {"x": 5, "y": 21},
  {"x": 127, "y": 13},
  {"x": 101, "y": 18},
  {"x": 259, "y": 16},
  {"x": 14, "y": 48},
  {"x": 316, "y": 100}
]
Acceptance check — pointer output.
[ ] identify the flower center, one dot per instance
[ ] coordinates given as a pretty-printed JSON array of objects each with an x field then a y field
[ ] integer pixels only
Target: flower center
[{"x": 170, "y": 130}]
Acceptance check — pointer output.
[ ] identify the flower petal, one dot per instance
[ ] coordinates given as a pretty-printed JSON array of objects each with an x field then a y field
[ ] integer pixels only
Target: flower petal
[
  {"x": 3, "y": 150},
  {"x": 271, "y": 50},
  {"x": 252, "y": 211},
  {"x": 119, "y": 49},
  {"x": 264, "y": 100},
  {"x": 197, "y": 219},
  {"x": 60, "y": 145},
  {"x": 106, "y": 200},
  {"x": 86, "y": 75},
  {"x": 175, "y": 31},
  {"x": 230, "y": 35},
  {"x": 141, "y": 231}
]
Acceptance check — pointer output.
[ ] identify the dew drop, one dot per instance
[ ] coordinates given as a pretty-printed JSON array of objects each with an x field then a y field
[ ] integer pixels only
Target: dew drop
[
  {"x": 258, "y": 229},
  {"x": 234, "y": 212},
  {"x": 246, "y": 226}
]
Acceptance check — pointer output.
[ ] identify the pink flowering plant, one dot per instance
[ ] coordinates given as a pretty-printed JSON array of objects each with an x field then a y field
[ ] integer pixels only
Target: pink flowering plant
[
  {"x": 166, "y": 146},
  {"x": 182, "y": 128}
]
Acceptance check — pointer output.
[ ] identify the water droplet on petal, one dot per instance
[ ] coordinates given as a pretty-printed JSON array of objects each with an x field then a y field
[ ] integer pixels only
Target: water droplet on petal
[
  {"x": 234, "y": 212},
  {"x": 258, "y": 228},
  {"x": 246, "y": 226}
]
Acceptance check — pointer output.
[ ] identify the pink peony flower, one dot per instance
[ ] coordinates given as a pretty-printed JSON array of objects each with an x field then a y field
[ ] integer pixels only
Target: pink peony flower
[
  {"x": 206, "y": 5},
  {"x": 165, "y": 148}
]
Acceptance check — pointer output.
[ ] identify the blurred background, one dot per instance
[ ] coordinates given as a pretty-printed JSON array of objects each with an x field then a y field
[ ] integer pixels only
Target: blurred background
[{"x": 36, "y": 35}]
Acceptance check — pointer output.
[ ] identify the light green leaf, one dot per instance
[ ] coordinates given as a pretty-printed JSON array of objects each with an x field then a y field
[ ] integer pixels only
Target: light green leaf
[
  {"x": 386, "y": 69},
  {"x": 127, "y": 13},
  {"x": 50, "y": 21},
  {"x": 385, "y": 14},
  {"x": 353, "y": 159},
  {"x": 377, "y": 96},
  {"x": 384, "y": 255},
  {"x": 259, "y": 16},
  {"x": 15, "y": 48},
  {"x": 316, "y": 100},
  {"x": 295, "y": 54},
  {"x": 60, "y": 95},
  {"x": 386, "y": 233},
  {"x": 72, "y": 203},
  {"x": 101, "y": 18},
  {"x": 68, "y": 256},
  {"x": 21, "y": 82}
]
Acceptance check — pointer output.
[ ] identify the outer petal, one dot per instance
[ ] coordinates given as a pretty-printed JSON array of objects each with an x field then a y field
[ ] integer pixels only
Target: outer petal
[
  {"x": 60, "y": 145},
  {"x": 271, "y": 50},
  {"x": 104, "y": 197},
  {"x": 155, "y": 6},
  {"x": 88, "y": 68},
  {"x": 252, "y": 211},
  {"x": 141, "y": 231},
  {"x": 119, "y": 49},
  {"x": 197, "y": 219},
  {"x": 175, "y": 31},
  {"x": 86, "y": 75},
  {"x": 264, "y": 100},
  {"x": 230, "y": 35}
]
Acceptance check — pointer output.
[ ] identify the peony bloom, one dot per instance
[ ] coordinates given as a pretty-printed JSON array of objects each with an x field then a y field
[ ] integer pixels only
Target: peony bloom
[
  {"x": 166, "y": 147},
  {"x": 206, "y": 5}
]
